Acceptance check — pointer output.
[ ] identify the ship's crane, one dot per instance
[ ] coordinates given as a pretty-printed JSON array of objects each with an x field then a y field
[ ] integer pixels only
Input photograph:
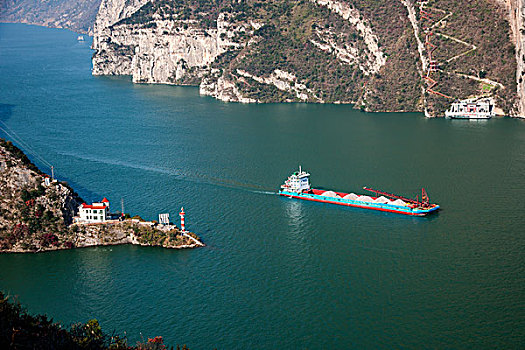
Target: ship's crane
[{"x": 425, "y": 200}]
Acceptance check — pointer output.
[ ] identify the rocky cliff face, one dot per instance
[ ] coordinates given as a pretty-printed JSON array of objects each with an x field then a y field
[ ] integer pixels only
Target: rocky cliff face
[
  {"x": 516, "y": 9},
  {"x": 28, "y": 207},
  {"x": 227, "y": 48},
  {"x": 373, "y": 53},
  {"x": 401, "y": 55},
  {"x": 166, "y": 54},
  {"x": 160, "y": 50}
]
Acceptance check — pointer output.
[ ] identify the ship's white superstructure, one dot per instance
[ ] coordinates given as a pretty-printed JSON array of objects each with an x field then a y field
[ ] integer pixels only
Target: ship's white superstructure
[
  {"x": 298, "y": 182},
  {"x": 471, "y": 109}
]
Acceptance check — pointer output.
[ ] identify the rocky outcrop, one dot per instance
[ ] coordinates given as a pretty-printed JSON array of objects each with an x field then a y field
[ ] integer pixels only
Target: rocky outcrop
[
  {"x": 112, "y": 11},
  {"x": 177, "y": 54},
  {"x": 284, "y": 81},
  {"x": 30, "y": 201},
  {"x": 36, "y": 214},
  {"x": 375, "y": 59},
  {"x": 166, "y": 51},
  {"x": 412, "y": 16},
  {"x": 109, "y": 13},
  {"x": 219, "y": 86},
  {"x": 132, "y": 231}
]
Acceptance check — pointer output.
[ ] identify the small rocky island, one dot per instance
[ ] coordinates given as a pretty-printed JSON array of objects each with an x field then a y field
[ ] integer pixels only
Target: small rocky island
[{"x": 37, "y": 214}]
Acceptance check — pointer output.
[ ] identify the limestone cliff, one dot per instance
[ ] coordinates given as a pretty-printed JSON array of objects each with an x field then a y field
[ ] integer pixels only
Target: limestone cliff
[
  {"x": 37, "y": 215},
  {"x": 394, "y": 55},
  {"x": 241, "y": 51},
  {"x": 398, "y": 55},
  {"x": 375, "y": 54}
]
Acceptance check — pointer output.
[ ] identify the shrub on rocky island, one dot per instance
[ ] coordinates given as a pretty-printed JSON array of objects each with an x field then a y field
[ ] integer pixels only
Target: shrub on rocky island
[{"x": 37, "y": 215}]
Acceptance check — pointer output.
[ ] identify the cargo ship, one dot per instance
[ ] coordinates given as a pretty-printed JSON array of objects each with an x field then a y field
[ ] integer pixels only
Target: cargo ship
[{"x": 298, "y": 186}]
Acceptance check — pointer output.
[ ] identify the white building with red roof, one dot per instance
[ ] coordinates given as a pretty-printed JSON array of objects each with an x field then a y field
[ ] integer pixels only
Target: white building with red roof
[{"x": 96, "y": 212}]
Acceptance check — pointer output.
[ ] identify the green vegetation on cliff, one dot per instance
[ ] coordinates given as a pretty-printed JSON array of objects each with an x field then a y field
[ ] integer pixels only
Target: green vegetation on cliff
[
  {"x": 32, "y": 215},
  {"x": 348, "y": 51},
  {"x": 35, "y": 216},
  {"x": 315, "y": 41}
]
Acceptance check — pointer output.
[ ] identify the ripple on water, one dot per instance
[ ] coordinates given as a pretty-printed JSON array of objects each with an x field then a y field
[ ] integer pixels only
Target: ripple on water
[{"x": 276, "y": 272}]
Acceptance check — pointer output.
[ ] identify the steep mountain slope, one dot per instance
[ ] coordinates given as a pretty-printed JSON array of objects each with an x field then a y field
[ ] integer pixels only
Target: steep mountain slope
[
  {"x": 469, "y": 51},
  {"x": 399, "y": 55},
  {"x": 30, "y": 210},
  {"x": 78, "y": 15},
  {"x": 266, "y": 51},
  {"x": 394, "y": 55}
]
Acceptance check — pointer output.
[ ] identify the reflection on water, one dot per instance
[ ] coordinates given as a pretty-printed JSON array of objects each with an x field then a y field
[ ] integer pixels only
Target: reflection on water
[
  {"x": 276, "y": 270},
  {"x": 94, "y": 273},
  {"x": 294, "y": 213},
  {"x": 469, "y": 123}
]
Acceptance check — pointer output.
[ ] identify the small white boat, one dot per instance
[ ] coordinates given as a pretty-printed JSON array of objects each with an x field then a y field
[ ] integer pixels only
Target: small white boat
[
  {"x": 80, "y": 38},
  {"x": 471, "y": 109}
]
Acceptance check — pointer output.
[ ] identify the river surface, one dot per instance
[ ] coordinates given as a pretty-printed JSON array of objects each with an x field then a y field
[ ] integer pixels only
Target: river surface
[{"x": 276, "y": 272}]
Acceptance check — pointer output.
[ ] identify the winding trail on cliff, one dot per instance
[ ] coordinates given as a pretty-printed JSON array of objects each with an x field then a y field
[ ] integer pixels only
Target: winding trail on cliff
[{"x": 421, "y": 46}]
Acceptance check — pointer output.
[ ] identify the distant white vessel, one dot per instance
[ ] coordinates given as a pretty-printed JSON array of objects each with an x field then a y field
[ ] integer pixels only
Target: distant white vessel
[
  {"x": 471, "y": 109},
  {"x": 80, "y": 38}
]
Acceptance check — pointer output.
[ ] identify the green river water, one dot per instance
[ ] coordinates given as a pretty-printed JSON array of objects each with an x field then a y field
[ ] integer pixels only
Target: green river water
[{"x": 276, "y": 272}]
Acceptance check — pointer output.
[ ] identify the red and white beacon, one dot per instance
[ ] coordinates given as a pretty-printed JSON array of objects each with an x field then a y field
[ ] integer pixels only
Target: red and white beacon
[{"x": 182, "y": 213}]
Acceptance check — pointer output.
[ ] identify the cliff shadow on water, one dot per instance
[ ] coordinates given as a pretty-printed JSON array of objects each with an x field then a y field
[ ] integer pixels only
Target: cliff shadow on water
[{"x": 6, "y": 111}]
